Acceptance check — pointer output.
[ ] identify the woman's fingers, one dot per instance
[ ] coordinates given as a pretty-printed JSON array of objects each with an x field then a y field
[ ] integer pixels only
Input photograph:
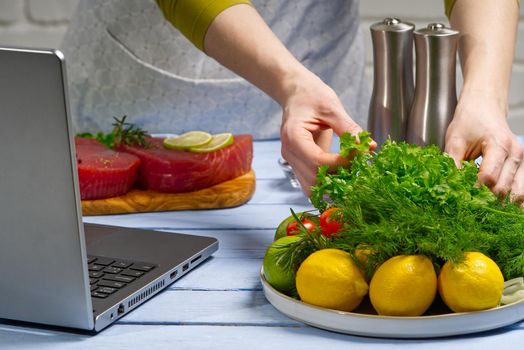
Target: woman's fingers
[
  {"x": 324, "y": 139},
  {"x": 517, "y": 187},
  {"x": 456, "y": 147},
  {"x": 509, "y": 170},
  {"x": 305, "y": 157},
  {"x": 502, "y": 163},
  {"x": 493, "y": 159}
]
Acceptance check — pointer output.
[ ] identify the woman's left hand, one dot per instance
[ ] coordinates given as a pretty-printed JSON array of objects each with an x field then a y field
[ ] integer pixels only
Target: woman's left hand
[{"x": 479, "y": 128}]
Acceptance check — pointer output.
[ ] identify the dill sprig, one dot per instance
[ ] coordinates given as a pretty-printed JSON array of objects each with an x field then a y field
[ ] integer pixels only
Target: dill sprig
[{"x": 406, "y": 200}]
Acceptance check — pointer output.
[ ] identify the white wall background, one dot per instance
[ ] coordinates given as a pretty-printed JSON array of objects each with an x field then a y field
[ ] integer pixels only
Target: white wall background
[{"x": 42, "y": 23}]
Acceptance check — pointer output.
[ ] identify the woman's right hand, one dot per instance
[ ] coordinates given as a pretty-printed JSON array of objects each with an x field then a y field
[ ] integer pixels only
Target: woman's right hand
[{"x": 312, "y": 111}]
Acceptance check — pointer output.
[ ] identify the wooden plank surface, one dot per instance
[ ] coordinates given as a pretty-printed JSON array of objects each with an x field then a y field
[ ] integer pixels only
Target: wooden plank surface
[
  {"x": 239, "y": 336},
  {"x": 239, "y": 244},
  {"x": 241, "y": 274},
  {"x": 209, "y": 306},
  {"x": 226, "y": 194},
  {"x": 247, "y": 217}
]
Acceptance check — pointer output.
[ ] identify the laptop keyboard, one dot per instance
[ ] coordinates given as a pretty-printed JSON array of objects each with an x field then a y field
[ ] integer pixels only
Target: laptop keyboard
[{"x": 106, "y": 275}]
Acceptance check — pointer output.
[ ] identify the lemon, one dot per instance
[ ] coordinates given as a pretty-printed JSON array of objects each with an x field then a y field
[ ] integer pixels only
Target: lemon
[
  {"x": 188, "y": 140},
  {"x": 404, "y": 285},
  {"x": 281, "y": 279},
  {"x": 330, "y": 278},
  {"x": 475, "y": 284},
  {"x": 217, "y": 142}
]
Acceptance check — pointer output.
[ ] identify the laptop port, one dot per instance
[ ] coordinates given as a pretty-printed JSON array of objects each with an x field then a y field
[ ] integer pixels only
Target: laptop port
[
  {"x": 185, "y": 267},
  {"x": 195, "y": 259},
  {"x": 120, "y": 310},
  {"x": 173, "y": 274}
]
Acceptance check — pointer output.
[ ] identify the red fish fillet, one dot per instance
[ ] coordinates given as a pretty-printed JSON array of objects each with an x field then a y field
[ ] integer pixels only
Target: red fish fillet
[
  {"x": 174, "y": 171},
  {"x": 102, "y": 172}
]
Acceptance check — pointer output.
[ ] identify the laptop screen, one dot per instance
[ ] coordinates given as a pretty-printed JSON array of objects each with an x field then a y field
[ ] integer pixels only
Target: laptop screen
[{"x": 41, "y": 250}]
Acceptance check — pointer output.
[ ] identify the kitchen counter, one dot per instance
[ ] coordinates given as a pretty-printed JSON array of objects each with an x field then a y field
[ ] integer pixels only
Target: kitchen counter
[{"x": 220, "y": 305}]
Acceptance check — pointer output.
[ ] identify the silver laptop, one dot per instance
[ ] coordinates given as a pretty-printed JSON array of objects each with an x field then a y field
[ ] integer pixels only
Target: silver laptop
[{"x": 54, "y": 269}]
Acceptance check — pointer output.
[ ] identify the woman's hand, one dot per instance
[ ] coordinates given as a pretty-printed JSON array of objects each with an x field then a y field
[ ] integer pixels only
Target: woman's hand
[
  {"x": 487, "y": 45},
  {"x": 311, "y": 112},
  {"x": 478, "y": 128}
]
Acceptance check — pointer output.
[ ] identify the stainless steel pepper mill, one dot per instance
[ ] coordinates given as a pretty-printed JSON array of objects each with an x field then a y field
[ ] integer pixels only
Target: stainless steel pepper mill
[
  {"x": 392, "y": 79},
  {"x": 435, "y": 90}
]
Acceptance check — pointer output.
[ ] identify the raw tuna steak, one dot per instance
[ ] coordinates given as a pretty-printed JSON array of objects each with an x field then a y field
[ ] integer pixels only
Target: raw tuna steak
[
  {"x": 104, "y": 173},
  {"x": 173, "y": 171}
]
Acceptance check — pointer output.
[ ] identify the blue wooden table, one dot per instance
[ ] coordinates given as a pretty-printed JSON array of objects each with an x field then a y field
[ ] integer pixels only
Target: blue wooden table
[{"x": 220, "y": 305}]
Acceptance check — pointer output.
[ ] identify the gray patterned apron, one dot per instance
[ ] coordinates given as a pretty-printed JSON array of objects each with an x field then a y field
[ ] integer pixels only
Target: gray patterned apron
[{"x": 124, "y": 58}]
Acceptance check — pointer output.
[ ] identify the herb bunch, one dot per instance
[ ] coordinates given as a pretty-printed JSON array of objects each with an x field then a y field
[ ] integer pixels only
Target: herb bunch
[
  {"x": 405, "y": 200},
  {"x": 123, "y": 133}
]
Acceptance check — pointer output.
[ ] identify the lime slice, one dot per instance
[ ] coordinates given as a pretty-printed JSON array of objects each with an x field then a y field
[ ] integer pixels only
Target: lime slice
[
  {"x": 217, "y": 142},
  {"x": 188, "y": 140}
]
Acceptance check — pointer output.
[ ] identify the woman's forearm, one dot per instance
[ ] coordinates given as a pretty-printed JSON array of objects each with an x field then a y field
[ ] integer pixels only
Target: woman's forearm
[
  {"x": 479, "y": 125},
  {"x": 487, "y": 45},
  {"x": 240, "y": 40}
]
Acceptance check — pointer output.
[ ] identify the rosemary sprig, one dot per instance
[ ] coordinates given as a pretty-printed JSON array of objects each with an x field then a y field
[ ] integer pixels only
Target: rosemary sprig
[{"x": 128, "y": 134}]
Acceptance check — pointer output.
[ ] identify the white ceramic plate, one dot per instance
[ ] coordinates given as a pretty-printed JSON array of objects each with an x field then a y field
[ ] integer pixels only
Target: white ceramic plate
[{"x": 439, "y": 325}]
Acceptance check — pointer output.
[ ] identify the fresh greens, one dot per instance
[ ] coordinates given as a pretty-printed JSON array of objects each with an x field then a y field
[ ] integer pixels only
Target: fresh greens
[
  {"x": 349, "y": 144},
  {"x": 405, "y": 199},
  {"x": 123, "y": 133},
  {"x": 105, "y": 139}
]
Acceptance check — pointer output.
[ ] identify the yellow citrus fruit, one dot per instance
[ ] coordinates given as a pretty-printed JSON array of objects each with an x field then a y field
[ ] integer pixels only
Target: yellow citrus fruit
[
  {"x": 475, "y": 284},
  {"x": 330, "y": 278},
  {"x": 362, "y": 255},
  {"x": 404, "y": 285},
  {"x": 281, "y": 279}
]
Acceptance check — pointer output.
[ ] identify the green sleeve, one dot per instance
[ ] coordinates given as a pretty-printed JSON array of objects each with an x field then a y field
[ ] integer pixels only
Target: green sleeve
[
  {"x": 193, "y": 17},
  {"x": 448, "y": 5}
]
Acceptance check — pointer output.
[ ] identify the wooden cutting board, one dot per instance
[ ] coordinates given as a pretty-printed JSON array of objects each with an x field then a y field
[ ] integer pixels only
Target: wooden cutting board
[{"x": 223, "y": 195}]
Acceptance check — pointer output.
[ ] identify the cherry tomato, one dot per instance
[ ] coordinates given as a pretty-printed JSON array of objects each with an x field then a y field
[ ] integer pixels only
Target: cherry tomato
[
  {"x": 330, "y": 222},
  {"x": 293, "y": 227}
]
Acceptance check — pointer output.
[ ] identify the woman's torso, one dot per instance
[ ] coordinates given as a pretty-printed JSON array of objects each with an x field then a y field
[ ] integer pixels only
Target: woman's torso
[{"x": 124, "y": 58}]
